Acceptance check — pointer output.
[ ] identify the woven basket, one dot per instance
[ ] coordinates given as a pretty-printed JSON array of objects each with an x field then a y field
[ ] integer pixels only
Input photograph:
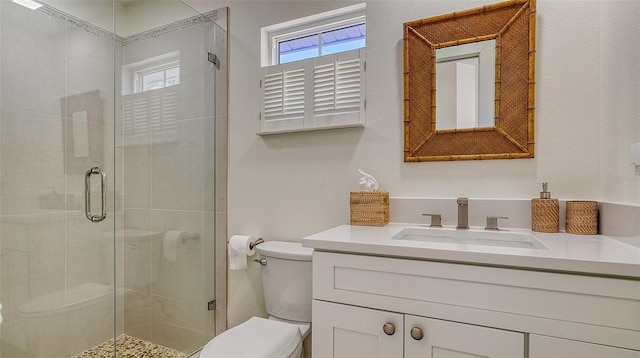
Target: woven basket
[
  {"x": 369, "y": 208},
  {"x": 582, "y": 217},
  {"x": 545, "y": 215}
]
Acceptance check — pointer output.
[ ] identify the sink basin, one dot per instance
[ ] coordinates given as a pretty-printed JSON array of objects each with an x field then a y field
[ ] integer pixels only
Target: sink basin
[{"x": 470, "y": 237}]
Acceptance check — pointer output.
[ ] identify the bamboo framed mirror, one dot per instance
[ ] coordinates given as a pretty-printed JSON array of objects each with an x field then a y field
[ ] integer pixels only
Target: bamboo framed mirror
[{"x": 504, "y": 129}]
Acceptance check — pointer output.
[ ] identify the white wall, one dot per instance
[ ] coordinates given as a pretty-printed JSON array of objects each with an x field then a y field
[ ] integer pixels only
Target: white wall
[
  {"x": 619, "y": 99},
  {"x": 135, "y": 17},
  {"x": 288, "y": 186},
  {"x": 132, "y": 17}
]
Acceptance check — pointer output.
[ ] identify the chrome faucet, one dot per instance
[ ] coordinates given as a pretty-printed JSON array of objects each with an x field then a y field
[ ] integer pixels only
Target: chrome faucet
[{"x": 463, "y": 213}]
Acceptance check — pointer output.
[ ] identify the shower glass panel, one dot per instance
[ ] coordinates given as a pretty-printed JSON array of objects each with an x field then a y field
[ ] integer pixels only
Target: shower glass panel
[
  {"x": 168, "y": 149},
  {"x": 141, "y": 102},
  {"x": 56, "y": 122}
]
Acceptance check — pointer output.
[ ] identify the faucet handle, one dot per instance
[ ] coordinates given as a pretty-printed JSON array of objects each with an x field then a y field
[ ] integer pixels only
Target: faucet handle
[
  {"x": 436, "y": 220},
  {"x": 492, "y": 222}
]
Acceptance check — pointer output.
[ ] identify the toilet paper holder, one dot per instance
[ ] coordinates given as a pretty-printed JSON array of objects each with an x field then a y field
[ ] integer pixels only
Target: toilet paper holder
[{"x": 252, "y": 245}]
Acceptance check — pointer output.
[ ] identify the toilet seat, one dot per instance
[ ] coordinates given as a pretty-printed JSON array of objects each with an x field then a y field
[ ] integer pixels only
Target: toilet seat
[{"x": 257, "y": 337}]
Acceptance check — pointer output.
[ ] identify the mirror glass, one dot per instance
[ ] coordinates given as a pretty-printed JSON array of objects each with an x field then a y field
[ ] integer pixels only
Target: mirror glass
[{"x": 465, "y": 85}]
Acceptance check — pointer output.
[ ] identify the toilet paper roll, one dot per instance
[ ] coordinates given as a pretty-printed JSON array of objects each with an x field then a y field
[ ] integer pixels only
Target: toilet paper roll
[
  {"x": 239, "y": 249},
  {"x": 170, "y": 243}
]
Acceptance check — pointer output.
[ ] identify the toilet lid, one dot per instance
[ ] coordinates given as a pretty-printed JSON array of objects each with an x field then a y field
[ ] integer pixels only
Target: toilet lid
[
  {"x": 257, "y": 337},
  {"x": 285, "y": 250}
]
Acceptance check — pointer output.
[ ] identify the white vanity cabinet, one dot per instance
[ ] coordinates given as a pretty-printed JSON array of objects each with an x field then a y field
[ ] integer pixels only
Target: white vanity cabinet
[
  {"x": 451, "y": 339},
  {"x": 350, "y": 331},
  {"x": 465, "y": 310},
  {"x": 546, "y": 347}
]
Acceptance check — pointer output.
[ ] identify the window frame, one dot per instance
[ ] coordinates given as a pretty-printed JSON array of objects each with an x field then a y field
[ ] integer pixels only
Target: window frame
[
  {"x": 164, "y": 67},
  {"x": 131, "y": 72},
  {"x": 314, "y": 93},
  {"x": 317, "y": 30},
  {"x": 330, "y": 20}
]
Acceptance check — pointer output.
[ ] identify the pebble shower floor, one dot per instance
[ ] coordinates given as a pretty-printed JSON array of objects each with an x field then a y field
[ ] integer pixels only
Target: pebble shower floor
[{"x": 130, "y": 347}]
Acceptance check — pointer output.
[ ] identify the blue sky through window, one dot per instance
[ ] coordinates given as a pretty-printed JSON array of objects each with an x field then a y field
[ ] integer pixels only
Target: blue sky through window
[{"x": 333, "y": 41}]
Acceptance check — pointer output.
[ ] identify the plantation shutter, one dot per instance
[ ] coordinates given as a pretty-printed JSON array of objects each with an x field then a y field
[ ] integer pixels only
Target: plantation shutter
[
  {"x": 150, "y": 113},
  {"x": 283, "y": 106},
  {"x": 338, "y": 89},
  {"x": 317, "y": 93}
]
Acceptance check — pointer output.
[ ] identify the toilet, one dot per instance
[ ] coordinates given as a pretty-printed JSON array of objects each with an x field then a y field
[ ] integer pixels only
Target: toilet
[{"x": 286, "y": 282}]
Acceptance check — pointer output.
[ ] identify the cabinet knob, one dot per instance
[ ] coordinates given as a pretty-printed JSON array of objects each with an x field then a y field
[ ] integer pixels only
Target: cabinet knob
[
  {"x": 416, "y": 333},
  {"x": 389, "y": 329}
]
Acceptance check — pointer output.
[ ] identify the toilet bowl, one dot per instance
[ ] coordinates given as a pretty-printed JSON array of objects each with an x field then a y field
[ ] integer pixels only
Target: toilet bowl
[{"x": 286, "y": 281}]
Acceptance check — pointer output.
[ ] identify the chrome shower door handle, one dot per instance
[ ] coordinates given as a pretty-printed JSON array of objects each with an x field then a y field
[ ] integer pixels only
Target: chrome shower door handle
[{"x": 87, "y": 194}]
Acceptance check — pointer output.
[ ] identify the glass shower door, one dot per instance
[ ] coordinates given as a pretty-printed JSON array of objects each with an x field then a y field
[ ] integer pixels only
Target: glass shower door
[
  {"x": 112, "y": 177},
  {"x": 57, "y": 88},
  {"x": 170, "y": 68}
]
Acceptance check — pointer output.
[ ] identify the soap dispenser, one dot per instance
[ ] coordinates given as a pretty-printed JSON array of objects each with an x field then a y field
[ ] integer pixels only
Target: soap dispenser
[{"x": 545, "y": 212}]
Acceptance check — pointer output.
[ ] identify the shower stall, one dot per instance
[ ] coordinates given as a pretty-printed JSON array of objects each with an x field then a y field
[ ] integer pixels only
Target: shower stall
[{"x": 113, "y": 177}]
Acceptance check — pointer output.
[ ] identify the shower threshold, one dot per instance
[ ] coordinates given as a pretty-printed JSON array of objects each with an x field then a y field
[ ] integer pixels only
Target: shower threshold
[{"x": 130, "y": 347}]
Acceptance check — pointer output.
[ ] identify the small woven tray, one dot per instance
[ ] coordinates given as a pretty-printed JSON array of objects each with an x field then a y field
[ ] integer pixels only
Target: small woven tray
[{"x": 582, "y": 217}]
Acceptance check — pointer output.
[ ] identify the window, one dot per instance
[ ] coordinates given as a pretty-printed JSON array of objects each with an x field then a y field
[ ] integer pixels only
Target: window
[
  {"x": 150, "y": 104},
  {"x": 336, "y": 39},
  {"x": 152, "y": 73},
  {"x": 313, "y": 72},
  {"x": 162, "y": 76}
]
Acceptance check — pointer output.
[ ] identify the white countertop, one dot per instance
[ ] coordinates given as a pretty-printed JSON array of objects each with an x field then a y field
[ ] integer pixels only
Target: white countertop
[{"x": 583, "y": 254}]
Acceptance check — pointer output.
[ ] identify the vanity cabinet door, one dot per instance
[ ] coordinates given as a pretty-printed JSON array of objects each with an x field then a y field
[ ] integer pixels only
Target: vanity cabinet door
[
  {"x": 550, "y": 347},
  {"x": 434, "y": 338},
  {"x": 343, "y": 331}
]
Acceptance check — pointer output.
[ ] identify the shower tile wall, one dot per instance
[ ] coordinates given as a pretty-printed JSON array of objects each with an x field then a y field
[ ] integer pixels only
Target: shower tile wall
[
  {"x": 52, "y": 260},
  {"x": 169, "y": 173}
]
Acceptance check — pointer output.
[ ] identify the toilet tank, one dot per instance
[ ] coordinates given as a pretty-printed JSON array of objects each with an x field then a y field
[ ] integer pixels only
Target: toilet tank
[
  {"x": 286, "y": 280},
  {"x": 142, "y": 253}
]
